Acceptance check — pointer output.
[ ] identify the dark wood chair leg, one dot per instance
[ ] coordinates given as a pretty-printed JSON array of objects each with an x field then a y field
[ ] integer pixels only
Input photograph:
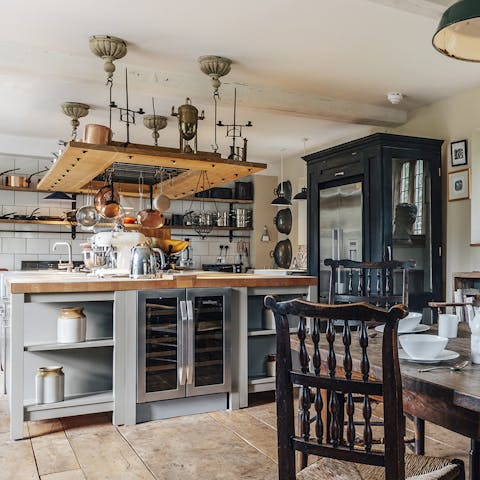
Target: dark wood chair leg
[
  {"x": 419, "y": 427},
  {"x": 303, "y": 457},
  {"x": 474, "y": 459}
]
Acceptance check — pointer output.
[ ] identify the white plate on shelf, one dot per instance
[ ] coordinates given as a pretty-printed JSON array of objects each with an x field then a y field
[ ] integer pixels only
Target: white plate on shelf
[
  {"x": 419, "y": 328},
  {"x": 441, "y": 357}
]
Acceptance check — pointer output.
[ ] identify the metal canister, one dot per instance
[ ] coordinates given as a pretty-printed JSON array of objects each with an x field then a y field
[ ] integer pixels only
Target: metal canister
[
  {"x": 243, "y": 217},
  {"x": 223, "y": 219},
  {"x": 49, "y": 385}
]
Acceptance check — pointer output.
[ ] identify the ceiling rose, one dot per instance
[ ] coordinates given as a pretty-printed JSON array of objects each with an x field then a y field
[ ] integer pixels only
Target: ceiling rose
[
  {"x": 109, "y": 49},
  {"x": 75, "y": 110},
  {"x": 215, "y": 67}
]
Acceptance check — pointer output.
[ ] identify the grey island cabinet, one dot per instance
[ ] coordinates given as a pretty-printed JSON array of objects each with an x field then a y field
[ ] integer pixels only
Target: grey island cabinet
[{"x": 154, "y": 348}]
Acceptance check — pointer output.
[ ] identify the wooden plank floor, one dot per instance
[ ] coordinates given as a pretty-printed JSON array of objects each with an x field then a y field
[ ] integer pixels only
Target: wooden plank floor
[{"x": 216, "y": 446}]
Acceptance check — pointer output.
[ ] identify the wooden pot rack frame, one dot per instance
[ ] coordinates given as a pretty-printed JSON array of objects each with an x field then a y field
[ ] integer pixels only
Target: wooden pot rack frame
[{"x": 81, "y": 162}]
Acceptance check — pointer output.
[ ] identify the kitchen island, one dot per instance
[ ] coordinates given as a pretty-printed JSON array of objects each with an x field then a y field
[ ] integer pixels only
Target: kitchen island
[{"x": 110, "y": 370}]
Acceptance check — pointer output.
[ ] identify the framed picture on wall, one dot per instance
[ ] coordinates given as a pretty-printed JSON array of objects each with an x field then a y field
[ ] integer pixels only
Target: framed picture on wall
[
  {"x": 458, "y": 153},
  {"x": 459, "y": 185}
]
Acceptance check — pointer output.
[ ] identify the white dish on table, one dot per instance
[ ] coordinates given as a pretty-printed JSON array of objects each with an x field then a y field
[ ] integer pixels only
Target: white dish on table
[
  {"x": 410, "y": 322},
  {"x": 418, "y": 329},
  {"x": 441, "y": 357},
  {"x": 423, "y": 346}
]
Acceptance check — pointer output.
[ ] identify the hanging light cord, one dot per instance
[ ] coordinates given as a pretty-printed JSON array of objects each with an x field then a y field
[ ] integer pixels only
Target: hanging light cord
[
  {"x": 215, "y": 144},
  {"x": 110, "y": 85}
]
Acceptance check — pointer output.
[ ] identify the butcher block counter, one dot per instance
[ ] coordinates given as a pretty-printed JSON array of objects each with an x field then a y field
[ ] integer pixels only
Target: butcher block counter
[
  {"x": 53, "y": 282},
  {"x": 184, "y": 343}
]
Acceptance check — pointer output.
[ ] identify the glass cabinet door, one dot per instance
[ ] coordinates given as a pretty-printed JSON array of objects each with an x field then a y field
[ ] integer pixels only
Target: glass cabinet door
[
  {"x": 412, "y": 224},
  {"x": 160, "y": 348},
  {"x": 208, "y": 365}
]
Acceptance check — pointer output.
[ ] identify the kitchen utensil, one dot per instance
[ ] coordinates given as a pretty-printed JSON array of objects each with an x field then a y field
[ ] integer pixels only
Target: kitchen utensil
[
  {"x": 150, "y": 217},
  {"x": 244, "y": 190},
  {"x": 4, "y": 180},
  {"x": 243, "y": 217},
  {"x": 287, "y": 190},
  {"x": 223, "y": 219},
  {"x": 87, "y": 216},
  {"x": 107, "y": 201},
  {"x": 97, "y": 134},
  {"x": 410, "y": 322},
  {"x": 143, "y": 263},
  {"x": 283, "y": 221},
  {"x": 454, "y": 368},
  {"x": 220, "y": 259},
  {"x": 282, "y": 254}
]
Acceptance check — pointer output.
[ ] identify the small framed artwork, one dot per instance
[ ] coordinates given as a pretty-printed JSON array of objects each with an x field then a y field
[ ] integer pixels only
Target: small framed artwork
[
  {"x": 459, "y": 185},
  {"x": 458, "y": 153}
]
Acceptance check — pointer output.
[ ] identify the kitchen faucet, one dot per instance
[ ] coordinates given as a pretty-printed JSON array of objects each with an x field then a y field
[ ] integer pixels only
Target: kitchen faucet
[{"x": 65, "y": 266}]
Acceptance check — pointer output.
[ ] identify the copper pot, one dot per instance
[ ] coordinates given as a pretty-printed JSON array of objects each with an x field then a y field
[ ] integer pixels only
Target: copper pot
[
  {"x": 97, "y": 134},
  {"x": 107, "y": 202}
]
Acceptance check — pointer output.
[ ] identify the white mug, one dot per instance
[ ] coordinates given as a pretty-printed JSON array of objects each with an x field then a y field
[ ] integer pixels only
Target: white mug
[{"x": 447, "y": 325}]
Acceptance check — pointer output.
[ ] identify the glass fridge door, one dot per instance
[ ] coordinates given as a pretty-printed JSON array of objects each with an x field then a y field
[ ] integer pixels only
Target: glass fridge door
[
  {"x": 208, "y": 362},
  {"x": 341, "y": 229},
  {"x": 162, "y": 318}
]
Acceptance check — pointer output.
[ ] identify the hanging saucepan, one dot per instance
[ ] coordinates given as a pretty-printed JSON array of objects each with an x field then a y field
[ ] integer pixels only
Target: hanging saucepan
[
  {"x": 161, "y": 202},
  {"x": 149, "y": 217},
  {"x": 4, "y": 180},
  {"x": 282, "y": 254},
  {"x": 283, "y": 221},
  {"x": 20, "y": 181},
  {"x": 107, "y": 201},
  {"x": 287, "y": 190}
]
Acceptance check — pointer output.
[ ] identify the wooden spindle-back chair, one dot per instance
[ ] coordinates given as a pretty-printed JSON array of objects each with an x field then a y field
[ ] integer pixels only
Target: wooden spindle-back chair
[{"x": 343, "y": 456}]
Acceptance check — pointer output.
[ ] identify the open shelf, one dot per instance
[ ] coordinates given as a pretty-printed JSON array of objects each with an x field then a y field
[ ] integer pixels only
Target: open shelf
[
  {"x": 44, "y": 347},
  {"x": 260, "y": 384},
  {"x": 80, "y": 404},
  {"x": 217, "y": 200}
]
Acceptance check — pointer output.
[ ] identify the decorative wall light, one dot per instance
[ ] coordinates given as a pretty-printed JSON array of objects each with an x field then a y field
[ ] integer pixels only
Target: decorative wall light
[
  {"x": 75, "y": 110},
  {"x": 458, "y": 33},
  {"x": 109, "y": 49}
]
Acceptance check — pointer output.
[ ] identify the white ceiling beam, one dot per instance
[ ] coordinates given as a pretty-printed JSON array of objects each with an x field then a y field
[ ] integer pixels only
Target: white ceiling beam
[
  {"x": 427, "y": 8},
  {"x": 55, "y": 65}
]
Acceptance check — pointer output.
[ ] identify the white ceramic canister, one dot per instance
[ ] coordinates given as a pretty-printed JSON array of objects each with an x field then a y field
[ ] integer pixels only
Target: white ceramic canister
[
  {"x": 71, "y": 325},
  {"x": 268, "y": 319},
  {"x": 270, "y": 365},
  {"x": 49, "y": 385}
]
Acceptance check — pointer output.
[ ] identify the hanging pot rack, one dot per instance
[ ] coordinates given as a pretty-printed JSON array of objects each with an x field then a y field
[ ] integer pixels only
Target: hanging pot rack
[{"x": 82, "y": 163}]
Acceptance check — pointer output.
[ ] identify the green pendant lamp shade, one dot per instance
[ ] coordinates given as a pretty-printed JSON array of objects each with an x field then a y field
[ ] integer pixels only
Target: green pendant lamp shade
[{"x": 458, "y": 34}]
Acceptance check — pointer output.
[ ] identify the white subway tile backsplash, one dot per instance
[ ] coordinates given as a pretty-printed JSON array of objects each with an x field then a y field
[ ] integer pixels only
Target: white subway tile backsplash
[
  {"x": 13, "y": 245},
  {"x": 7, "y": 197},
  {"x": 7, "y": 261},
  {"x": 26, "y": 198},
  {"x": 38, "y": 245}
]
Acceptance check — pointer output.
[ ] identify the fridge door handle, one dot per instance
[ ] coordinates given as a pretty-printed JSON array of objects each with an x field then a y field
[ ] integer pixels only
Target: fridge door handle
[
  {"x": 181, "y": 345},
  {"x": 190, "y": 341}
]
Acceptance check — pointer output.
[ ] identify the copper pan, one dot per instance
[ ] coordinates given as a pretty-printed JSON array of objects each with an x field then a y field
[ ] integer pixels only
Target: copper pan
[{"x": 97, "y": 134}]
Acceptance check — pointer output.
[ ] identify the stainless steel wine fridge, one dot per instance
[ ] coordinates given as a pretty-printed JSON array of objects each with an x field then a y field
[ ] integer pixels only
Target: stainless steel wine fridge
[{"x": 183, "y": 343}]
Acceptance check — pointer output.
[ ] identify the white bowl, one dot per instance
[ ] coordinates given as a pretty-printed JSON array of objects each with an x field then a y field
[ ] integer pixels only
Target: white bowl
[
  {"x": 423, "y": 346},
  {"x": 409, "y": 323}
]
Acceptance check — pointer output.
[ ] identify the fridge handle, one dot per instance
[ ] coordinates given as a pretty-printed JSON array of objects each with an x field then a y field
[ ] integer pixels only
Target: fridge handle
[
  {"x": 190, "y": 342},
  {"x": 181, "y": 367}
]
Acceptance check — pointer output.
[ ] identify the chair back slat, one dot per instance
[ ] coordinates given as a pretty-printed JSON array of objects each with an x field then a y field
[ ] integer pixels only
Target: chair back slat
[
  {"x": 380, "y": 283},
  {"x": 331, "y": 385}
]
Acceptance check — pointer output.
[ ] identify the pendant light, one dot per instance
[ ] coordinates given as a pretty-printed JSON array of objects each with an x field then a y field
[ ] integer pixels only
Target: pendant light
[
  {"x": 458, "y": 33},
  {"x": 281, "y": 200},
  {"x": 302, "y": 195}
]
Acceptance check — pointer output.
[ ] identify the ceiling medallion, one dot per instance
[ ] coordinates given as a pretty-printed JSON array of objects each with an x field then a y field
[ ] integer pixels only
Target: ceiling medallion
[
  {"x": 109, "y": 49},
  {"x": 215, "y": 67},
  {"x": 75, "y": 110}
]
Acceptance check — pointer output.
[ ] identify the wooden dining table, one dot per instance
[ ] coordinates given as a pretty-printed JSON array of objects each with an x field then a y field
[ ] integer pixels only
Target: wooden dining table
[{"x": 447, "y": 398}]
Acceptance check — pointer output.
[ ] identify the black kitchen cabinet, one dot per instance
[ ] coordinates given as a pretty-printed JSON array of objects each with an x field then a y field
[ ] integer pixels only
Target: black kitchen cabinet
[{"x": 377, "y": 198}]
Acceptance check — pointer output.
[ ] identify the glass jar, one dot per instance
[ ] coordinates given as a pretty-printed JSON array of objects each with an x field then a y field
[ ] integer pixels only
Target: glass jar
[
  {"x": 71, "y": 325},
  {"x": 49, "y": 385}
]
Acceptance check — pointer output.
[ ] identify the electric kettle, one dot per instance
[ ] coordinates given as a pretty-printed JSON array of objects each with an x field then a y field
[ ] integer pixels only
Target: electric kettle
[{"x": 143, "y": 263}]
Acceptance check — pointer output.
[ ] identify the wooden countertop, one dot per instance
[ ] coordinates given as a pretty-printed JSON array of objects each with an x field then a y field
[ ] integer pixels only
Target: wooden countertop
[{"x": 61, "y": 282}]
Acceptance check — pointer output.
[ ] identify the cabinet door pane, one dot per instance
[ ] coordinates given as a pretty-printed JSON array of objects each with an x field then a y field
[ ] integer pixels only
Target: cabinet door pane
[
  {"x": 161, "y": 339},
  {"x": 209, "y": 340},
  {"x": 411, "y": 223}
]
